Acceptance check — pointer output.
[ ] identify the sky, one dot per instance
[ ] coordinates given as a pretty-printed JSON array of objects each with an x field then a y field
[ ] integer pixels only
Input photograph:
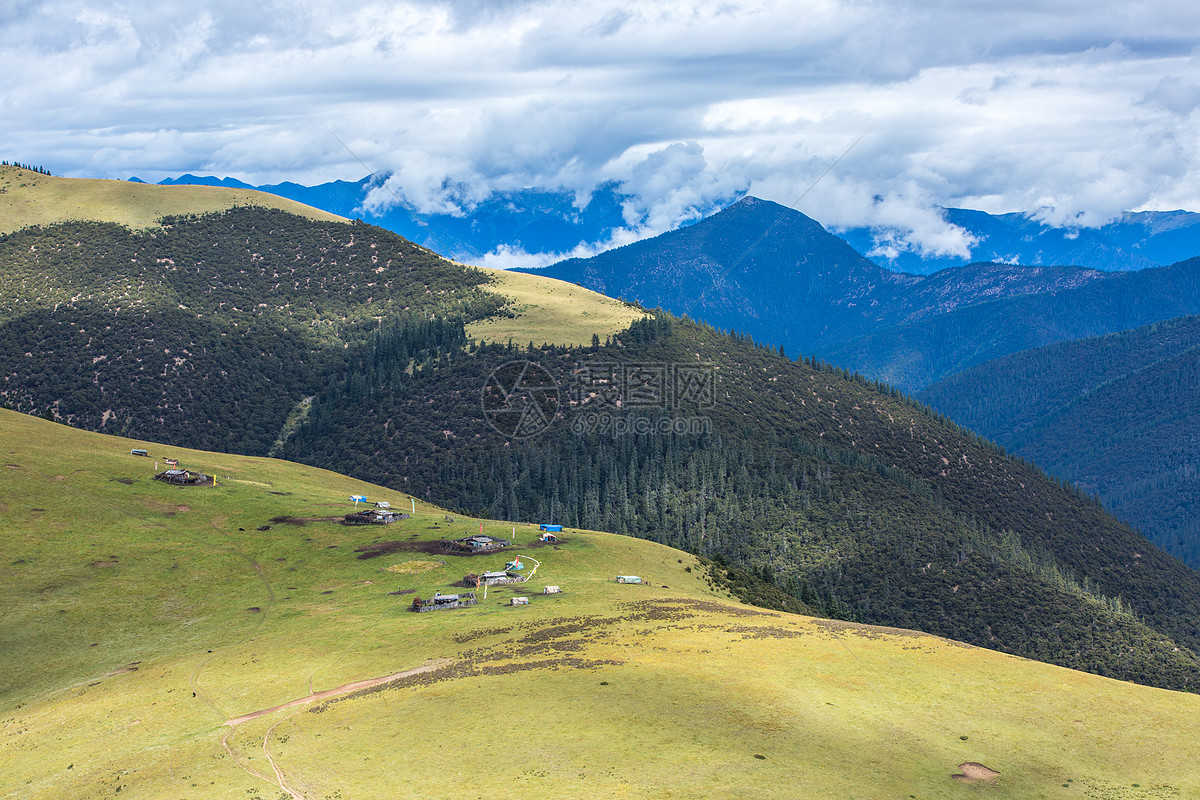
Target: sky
[{"x": 1075, "y": 111}]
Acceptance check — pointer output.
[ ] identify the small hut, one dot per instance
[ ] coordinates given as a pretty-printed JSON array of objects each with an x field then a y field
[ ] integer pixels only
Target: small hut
[
  {"x": 373, "y": 516},
  {"x": 182, "y": 477},
  {"x": 443, "y": 602},
  {"x": 475, "y": 544}
]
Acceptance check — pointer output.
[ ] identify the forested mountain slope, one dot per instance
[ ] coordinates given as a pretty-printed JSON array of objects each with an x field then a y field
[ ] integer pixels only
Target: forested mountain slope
[
  {"x": 205, "y": 331},
  {"x": 916, "y": 354},
  {"x": 773, "y": 273},
  {"x": 1115, "y": 414}
]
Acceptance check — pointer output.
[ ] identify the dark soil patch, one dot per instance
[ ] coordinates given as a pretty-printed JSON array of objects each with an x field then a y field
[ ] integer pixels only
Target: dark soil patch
[
  {"x": 130, "y": 667},
  {"x": 254, "y": 609},
  {"x": 263, "y": 528},
  {"x": 469, "y": 668},
  {"x": 37, "y": 509},
  {"x": 126, "y": 481},
  {"x": 284, "y": 494},
  {"x": 13, "y": 466},
  {"x": 402, "y": 591},
  {"x": 439, "y": 548},
  {"x": 286, "y": 520},
  {"x": 539, "y": 543},
  {"x": 327, "y": 591}
]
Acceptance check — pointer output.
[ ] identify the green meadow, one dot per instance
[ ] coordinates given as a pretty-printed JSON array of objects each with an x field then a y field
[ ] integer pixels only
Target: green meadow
[{"x": 140, "y": 618}]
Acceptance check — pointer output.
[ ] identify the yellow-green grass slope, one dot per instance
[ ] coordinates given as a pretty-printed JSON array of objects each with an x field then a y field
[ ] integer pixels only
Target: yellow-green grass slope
[
  {"x": 30, "y": 198},
  {"x": 140, "y": 618},
  {"x": 550, "y": 311}
]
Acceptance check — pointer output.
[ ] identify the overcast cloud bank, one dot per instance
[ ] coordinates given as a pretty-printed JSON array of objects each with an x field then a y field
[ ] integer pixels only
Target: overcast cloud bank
[{"x": 1076, "y": 111}]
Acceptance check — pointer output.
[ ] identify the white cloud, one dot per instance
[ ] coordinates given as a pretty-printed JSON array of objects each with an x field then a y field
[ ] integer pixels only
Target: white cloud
[{"x": 1079, "y": 109}]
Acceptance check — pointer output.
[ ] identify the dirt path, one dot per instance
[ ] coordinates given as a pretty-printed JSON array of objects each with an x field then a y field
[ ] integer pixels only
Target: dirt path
[
  {"x": 428, "y": 666},
  {"x": 279, "y": 779}
]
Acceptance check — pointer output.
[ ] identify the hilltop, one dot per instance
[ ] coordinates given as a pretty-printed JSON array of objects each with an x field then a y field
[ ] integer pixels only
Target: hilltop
[
  {"x": 212, "y": 329},
  {"x": 143, "y": 636},
  {"x": 31, "y": 198}
]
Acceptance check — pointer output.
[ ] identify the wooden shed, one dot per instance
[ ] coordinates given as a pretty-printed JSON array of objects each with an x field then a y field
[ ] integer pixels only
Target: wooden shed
[{"x": 443, "y": 602}]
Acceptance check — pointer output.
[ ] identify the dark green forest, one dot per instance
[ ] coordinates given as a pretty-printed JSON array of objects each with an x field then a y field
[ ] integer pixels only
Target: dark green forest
[{"x": 1114, "y": 415}]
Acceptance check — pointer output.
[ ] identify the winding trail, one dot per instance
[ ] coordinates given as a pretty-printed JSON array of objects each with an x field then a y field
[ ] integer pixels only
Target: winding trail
[
  {"x": 428, "y": 666},
  {"x": 280, "y": 780}
]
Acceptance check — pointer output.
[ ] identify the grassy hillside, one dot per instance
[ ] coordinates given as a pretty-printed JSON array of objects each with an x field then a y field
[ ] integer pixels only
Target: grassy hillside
[
  {"x": 143, "y": 619},
  {"x": 548, "y": 311},
  {"x": 30, "y": 198}
]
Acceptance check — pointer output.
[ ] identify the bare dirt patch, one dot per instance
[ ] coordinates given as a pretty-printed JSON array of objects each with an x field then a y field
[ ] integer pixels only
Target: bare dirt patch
[
  {"x": 974, "y": 771},
  {"x": 130, "y": 667},
  {"x": 412, "y": 567},
  {"x": 286, "y": 520}
]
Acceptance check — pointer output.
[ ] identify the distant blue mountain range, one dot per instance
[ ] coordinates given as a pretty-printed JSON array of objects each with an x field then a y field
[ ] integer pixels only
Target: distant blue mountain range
[
  {"x": 532, "y": 221},
  {"x": 1133, "y": 241},
  {"x": 545, "y": 223}
]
